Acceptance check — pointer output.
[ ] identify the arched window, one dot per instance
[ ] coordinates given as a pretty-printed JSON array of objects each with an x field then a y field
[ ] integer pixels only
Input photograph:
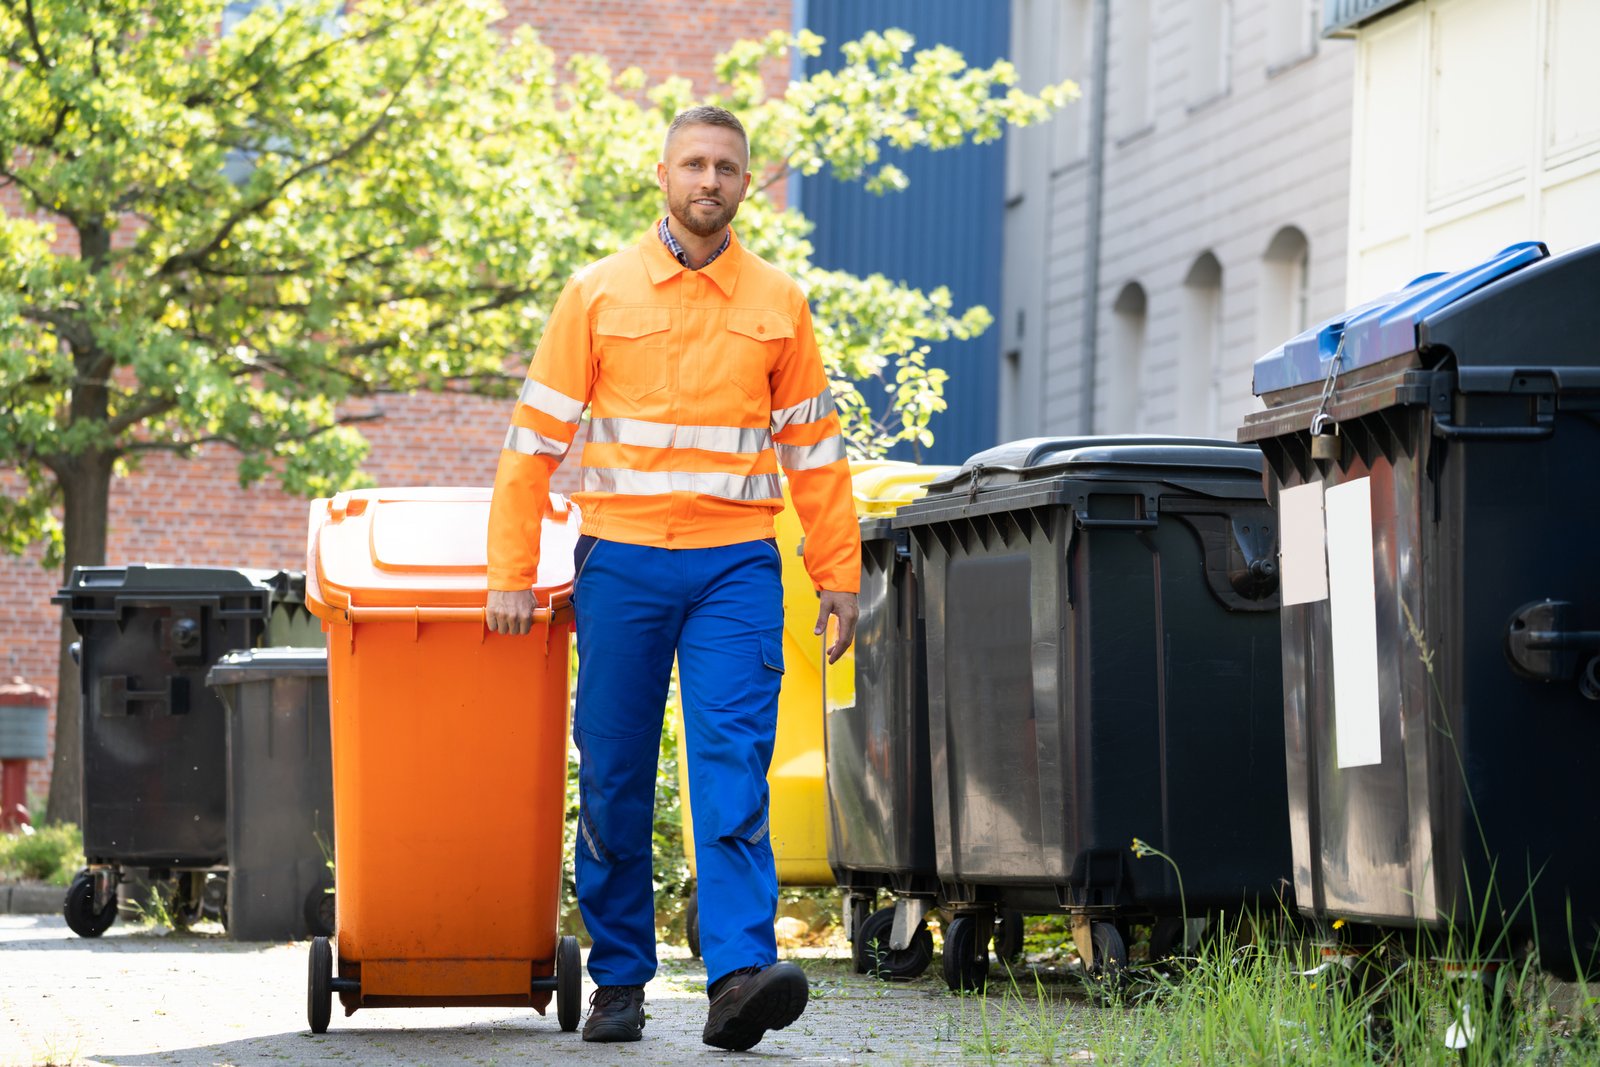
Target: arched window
[
  {"x": 1124, "y": 402},
  {"x": 1200, "y": 347},
  {"x": 1282, "y": 304}
]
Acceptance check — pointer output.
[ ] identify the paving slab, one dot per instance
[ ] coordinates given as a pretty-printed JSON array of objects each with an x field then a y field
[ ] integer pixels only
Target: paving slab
[{"x": 146, "y": 996}]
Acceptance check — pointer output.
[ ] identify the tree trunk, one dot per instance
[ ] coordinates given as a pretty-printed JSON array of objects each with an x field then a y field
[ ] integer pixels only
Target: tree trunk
[{"x": 85, "y": 487}]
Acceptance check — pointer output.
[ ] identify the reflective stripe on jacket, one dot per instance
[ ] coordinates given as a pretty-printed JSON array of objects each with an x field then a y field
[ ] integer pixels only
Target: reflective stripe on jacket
[{"x": 700, "y": 385}]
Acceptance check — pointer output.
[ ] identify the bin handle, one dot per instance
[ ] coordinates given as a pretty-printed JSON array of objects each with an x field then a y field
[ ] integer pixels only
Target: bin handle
[
  {"x": 355, "y": 614},
  {"x": 1147, "y": 522}
]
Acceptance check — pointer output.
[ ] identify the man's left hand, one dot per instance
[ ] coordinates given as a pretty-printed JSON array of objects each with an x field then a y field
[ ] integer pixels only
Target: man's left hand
[{"x": 843, "y": 607}]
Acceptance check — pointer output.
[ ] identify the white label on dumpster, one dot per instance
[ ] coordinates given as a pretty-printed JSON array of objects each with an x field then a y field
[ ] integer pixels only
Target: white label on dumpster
[
  {"x": 1354, "y": 612},
  {"x": 1304, "y": 563}
]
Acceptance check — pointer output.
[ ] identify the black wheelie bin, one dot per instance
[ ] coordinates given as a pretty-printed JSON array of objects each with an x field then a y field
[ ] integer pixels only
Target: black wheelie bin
[
  {"x": 154, "y": 751},
  {"x": 1102, "y": 665},
  {"x": 280, "y": 793},
  {"x": 1433, "y": 455}
]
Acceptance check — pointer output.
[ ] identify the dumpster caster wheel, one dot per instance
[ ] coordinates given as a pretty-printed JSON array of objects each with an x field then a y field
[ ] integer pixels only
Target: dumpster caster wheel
[
  {"x": 78, "y": 907},
  {"x": 1110, "y": 954},
  {"x": 691, "y": 921},
  {"x": 569, "y": 983},
  {"x": 874, "y": 956},
  {"x": 1008, "y": 936},
  {"x": 966, "y": 956},
  {"x": 319, "y": 988}
]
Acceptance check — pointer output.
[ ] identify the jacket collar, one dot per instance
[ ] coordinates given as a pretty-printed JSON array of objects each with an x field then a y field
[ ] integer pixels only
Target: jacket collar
[{"x": 660, "y": 264}]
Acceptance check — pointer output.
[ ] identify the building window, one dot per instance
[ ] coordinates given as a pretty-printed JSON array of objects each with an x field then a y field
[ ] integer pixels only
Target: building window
[
  {"x": 1282, "y": 308},
  {"x": 1074, "y": 58},
  {"x": 1291, "y": 31},
  {"x": 1200, "y": 348},
  {"x": 1132, "y": 102},
  {"x": 1125, "y": 407},
  {"x": 1209, "y": 37}
]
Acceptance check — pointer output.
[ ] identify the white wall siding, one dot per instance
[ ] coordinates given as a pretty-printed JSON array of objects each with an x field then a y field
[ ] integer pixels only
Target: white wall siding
[
  {"x": 1477, "y": 124},
  {"x": 1222, "y": 175}
]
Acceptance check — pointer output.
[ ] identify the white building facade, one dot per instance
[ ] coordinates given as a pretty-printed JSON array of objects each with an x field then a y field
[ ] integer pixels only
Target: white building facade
[
  {"x": 1186, "y": 216},
  {"x": 1476, "y": 124}
]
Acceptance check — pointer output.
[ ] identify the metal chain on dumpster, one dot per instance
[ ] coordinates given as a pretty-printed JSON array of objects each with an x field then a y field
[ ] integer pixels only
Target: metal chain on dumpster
[{"x": 1329, "y": 384}]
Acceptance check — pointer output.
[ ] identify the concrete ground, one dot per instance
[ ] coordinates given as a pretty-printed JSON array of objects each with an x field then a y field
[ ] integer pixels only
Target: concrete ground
[{"x": 143, "y": 995}]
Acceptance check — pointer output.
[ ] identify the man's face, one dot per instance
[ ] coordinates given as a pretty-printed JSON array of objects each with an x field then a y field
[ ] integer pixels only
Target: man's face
[{"x": 704, "y": 177}]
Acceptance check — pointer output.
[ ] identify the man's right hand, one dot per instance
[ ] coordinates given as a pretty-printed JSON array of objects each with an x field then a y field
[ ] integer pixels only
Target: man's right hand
[{"x": 509, "y": 611}]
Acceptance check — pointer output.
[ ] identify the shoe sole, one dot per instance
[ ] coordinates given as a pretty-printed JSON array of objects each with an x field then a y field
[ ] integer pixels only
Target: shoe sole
[
  {"x": 780, "y": 1002},
  {"x": 613, "y": 1032}
]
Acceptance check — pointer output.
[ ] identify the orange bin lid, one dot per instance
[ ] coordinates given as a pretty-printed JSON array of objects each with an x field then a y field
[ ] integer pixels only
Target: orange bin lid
[{"x": 420, "y": 548}]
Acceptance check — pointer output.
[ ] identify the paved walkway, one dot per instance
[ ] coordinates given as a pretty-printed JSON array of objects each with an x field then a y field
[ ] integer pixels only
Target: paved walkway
[{"x": 145, "y": 996}]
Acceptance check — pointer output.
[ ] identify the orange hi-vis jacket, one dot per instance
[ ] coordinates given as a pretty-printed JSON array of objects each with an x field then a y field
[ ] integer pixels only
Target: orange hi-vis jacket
[{"x": 700, "y": 385}]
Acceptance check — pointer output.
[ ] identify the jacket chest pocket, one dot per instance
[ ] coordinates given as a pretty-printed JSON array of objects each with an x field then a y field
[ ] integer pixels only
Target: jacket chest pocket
[
  {"x": 756, "y": 337},
  {"x": 635, "y": 348}
]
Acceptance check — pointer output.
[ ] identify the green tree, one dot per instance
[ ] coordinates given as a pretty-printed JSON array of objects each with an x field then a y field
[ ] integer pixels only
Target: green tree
[{"x": 335, "y": 201}]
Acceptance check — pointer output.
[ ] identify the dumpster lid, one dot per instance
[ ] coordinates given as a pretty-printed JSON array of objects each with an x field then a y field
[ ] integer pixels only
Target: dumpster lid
[
  {"x": 1540, "y": 323},
  {"x": 881, "y": 488},
  {"x": 419, "y": 547},
  {"x": 257, "y": 664},
  {"x": 1383, "y": 328},
  {"x": 1123, "y": 456}
]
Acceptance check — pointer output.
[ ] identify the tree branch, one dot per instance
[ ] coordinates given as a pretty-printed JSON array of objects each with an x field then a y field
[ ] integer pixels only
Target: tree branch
[
  {"x": 180, "y": 260},
  {"x": 233, "y": 443},
  {"x": 75, "y": 333},
  {"x": 132, "y": 417},
  {"x": 33, "y": 34}
]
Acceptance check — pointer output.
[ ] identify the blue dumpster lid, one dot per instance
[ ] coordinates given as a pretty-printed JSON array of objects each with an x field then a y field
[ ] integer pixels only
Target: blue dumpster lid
[
  {"x": 1383, "y": 328},
  {"x": 1034, "y": 458},
  {"x": 253, "y": 664}
]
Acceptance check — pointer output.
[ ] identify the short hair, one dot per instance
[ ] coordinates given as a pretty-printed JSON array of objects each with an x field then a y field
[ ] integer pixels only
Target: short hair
[{"x": 707, "y": 115}]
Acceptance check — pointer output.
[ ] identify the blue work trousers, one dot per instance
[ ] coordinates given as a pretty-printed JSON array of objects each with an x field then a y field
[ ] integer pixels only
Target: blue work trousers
[{"x": 720, "y": 611}]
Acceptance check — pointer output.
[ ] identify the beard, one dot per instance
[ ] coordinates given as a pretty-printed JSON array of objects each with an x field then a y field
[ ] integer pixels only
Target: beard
[{"x": 702, "y": 222}]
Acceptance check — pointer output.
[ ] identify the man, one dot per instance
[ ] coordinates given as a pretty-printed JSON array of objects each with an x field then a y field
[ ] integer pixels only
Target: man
[{"x": 699, "y": 362}]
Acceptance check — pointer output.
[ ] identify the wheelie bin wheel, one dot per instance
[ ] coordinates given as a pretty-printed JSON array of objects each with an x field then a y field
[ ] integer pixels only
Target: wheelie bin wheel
[
  {"x": 1008, "y": 935},
  {"x": 1110, "y": 953},
  {"x": 874, "y": 956},
  {"x": 319, "y": 911},
  {"x": 78, "y": 907},
  {"x": 691, "y": 921},
  {"x": 966, "y": 955},
  {"x": 319, "y": 987},
  {"x": 569, "y": 983}
]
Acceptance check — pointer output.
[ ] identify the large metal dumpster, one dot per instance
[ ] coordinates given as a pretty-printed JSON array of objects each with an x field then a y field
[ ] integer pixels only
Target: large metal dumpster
[
  {"x": 1433, "y": 454},
  {"x": 1102, "y": 642}
]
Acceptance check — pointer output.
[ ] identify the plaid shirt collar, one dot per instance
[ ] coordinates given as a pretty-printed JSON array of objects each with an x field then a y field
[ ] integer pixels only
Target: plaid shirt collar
[{"x": 683, "y": 257}]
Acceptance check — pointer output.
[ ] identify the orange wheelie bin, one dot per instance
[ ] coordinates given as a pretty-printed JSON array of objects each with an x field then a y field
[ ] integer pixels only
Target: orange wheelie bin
[{"x": 449, "y": 760}]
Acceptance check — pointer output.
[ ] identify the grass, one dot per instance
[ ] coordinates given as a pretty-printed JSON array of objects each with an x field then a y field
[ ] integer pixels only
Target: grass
[{"x": 1237, "y": 1001}]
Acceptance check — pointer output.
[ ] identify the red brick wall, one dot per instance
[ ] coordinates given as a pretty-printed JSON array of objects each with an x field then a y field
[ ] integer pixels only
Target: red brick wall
[{"x": 194, "y": 512}]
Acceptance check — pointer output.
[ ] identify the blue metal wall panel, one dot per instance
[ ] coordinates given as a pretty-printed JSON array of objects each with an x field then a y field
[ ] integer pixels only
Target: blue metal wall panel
[
  {"x": 945, "y": 229},
  {"x": 1339, "y": 16}
]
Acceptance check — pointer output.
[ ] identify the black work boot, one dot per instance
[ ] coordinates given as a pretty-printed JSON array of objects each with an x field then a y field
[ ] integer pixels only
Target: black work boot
[
  {"x": 746, "y": 1003},
  {"x": 616, "y": 1013}
]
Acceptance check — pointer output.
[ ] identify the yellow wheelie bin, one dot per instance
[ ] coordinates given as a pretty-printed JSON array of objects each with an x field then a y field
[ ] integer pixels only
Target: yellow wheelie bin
[
  {"x": 449, "y": 759},
  {"x": 799, "y": 803}
]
